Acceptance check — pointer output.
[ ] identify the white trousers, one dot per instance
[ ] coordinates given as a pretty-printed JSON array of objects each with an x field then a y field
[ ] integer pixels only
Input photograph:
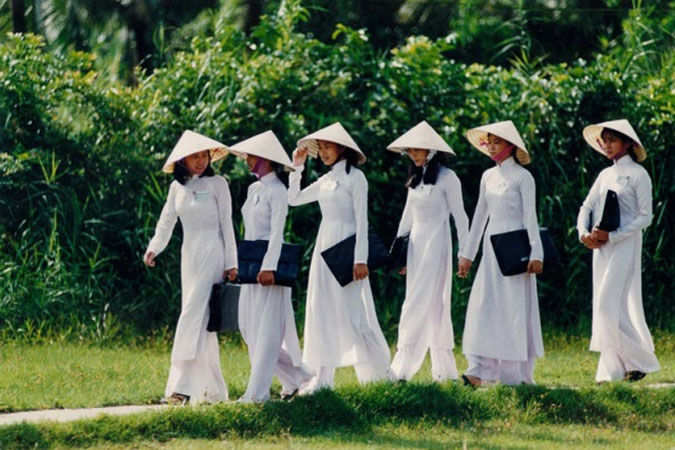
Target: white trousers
[
  {"x": 268, "y": 353},
  {"x": 615, "y": 362},
  {"x": 504, "y": 371},
  {"x": 409, "y": 359},
  {"x": 201, "y": 377}
]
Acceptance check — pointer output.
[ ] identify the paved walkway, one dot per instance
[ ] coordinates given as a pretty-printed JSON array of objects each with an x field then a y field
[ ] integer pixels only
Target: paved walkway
[{"x": 67, "y": 415}]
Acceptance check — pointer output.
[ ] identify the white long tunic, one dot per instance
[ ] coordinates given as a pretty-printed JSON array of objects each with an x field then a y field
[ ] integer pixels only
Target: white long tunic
[
  {"x": 264, "y": 214},
  {"x": 497, "y": 324},
  {"x": 204, "y": 207},
  {"x": 429, "y": 264},
  {"x": 617, "y": 273},
  {"x": 341, "y": 327}
]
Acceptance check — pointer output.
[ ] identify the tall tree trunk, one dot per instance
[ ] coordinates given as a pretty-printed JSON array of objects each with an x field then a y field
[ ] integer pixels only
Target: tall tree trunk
[{"x": 18, "y": 16}]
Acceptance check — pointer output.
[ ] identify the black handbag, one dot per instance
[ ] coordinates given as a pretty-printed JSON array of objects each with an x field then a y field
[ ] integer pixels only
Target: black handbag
[
  {"x": 251, "y": 254},
  {"x": 224, "y": 307},
  {"x": 399, "y": 253},
  {"x": 340, "y": 257},
  {"x": 611, "y": 216},
  {"x": 512, "y": 250}
]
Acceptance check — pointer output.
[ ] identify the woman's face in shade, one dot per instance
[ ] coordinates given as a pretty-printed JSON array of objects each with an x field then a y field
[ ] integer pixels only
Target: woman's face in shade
[
  {"x": 329, "y": 152},
  {"x": 197, "y": 163},
  {"x": 496, "y": 145},
  {"x": 418, "y": 156},
  {"x": 613, "y": 145}
]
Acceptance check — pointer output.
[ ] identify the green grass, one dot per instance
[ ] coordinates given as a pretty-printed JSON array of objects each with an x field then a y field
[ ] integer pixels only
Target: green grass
[
  {"x": 63, "y": 374},
  {"x": 566, "y": 408},
  {"x": 425, "y": 435}
]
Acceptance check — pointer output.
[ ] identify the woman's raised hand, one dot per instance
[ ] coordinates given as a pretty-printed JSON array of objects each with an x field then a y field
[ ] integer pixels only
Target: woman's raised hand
[
  {"x": 300, "y": 156},
  {"x": 149, "y": 259}
]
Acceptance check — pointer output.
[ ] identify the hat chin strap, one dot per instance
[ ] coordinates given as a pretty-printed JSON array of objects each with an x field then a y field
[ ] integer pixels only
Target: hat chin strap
[{"x": 430, "y": 155}]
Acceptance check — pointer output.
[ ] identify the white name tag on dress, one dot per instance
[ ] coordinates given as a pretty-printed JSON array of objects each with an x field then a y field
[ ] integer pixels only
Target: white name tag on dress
[{"x": 199, "y": 196}]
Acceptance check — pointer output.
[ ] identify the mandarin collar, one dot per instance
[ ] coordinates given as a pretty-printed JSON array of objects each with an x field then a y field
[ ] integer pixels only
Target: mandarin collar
[
  {"x": 624, "y": 160},
  {"x": 506, "y": 163},
  {"x": 340, "y": 166},
  {"x": 268, "y": 177}
]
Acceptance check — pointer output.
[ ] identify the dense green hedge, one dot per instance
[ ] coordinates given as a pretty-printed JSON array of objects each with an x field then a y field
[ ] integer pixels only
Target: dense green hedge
[{"x": 81, "y": 188}]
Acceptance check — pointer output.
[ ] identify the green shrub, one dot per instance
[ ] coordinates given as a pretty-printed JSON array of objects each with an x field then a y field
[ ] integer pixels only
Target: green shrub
[{"x": 81, "y": 188}]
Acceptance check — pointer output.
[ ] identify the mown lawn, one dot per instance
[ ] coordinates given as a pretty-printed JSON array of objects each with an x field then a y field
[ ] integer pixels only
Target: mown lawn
[
  {"x": 66, "y": 374},
  {"x": 565, "y": 409}
]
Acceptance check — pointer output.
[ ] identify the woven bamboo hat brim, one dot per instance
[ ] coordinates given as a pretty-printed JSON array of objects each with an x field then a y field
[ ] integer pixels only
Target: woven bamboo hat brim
[
  {"x": 265, "y": 145},
  {"x": 506, "y": 130},
  {"x": 421, "y": 136},
  {"x": 191, "y": 142},
  {"x": 592, "y": 135},
  {"x": 332, "y": 133}
]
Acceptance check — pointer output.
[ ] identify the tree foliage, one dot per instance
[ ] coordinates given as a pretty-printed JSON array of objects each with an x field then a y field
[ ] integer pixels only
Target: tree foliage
[{"x": 81, "y": 189}]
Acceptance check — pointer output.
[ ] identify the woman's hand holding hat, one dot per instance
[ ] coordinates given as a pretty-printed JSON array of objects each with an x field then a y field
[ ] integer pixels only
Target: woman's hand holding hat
[{"x": 300, "y": 156}]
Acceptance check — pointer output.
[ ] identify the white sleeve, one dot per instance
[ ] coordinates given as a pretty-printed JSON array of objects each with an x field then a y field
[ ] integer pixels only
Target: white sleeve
[
  {"x": 360, "y": 201},
  {"x": 226, "y": 228},
  {"x": 295, "y": 195},
  {"x": 643, "y": 192},
  {"x": 279, "y": 208},
  {"x": 480, "y": 218},
  {"x": 528, "y": 195},
  {"x": 405, "y": 225},
  {"x": 453, "y": 195},
  {"x": 586, "y": 209},
  {"x": 165, "y": 224}
]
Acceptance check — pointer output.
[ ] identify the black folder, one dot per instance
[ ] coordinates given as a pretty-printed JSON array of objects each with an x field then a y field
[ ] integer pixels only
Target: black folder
[
  {"x": 340, "y": 257},
  {"x": 224, "y": 308},
  {"x": 611, "y": 216},
  {"x": 250, "y": 255},
  {"x": 512, "y": 250},
  {"x": 399, "y": 253}
]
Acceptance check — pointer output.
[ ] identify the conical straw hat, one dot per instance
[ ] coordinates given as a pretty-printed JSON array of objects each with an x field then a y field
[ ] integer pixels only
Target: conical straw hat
[
  {"x": 422, "y": 136},
  {"x": 191, "y": 142},
  {"x": 332, "y": 133},
  {"x": 505, "y": 130},
  {"x": 266, "y": 145},
  {"x": 592, "y": 135}
]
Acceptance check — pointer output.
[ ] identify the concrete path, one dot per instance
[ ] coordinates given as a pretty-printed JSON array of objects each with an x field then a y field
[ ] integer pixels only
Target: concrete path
[{"x": 67, "y": 415}]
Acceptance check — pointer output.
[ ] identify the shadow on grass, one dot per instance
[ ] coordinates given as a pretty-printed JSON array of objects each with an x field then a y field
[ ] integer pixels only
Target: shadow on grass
[{"x": 350, "y": 412}]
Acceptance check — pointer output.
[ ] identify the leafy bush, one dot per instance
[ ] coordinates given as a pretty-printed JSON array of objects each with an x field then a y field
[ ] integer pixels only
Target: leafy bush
[{"x": 81, "y": 189}]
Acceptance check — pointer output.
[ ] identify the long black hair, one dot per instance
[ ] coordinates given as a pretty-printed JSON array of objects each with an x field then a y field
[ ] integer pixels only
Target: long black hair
[
  {"x": 351, "y": 156},
  {"x": 623, "y": 138},
  {"x": 182, "y": 174},
  {"x": 416, "y": 175},
  {"x": 280, "y": 171}
]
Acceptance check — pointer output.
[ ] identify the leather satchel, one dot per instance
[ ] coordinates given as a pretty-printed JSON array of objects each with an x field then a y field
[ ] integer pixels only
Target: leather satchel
[
  {"x": 251, "y": 254},
  {"x": 399, "y": 253},
  {"x": 512, "y": 250},
  {"x": 224, "y": 308},
  {"x": 340, "y": 257}
]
